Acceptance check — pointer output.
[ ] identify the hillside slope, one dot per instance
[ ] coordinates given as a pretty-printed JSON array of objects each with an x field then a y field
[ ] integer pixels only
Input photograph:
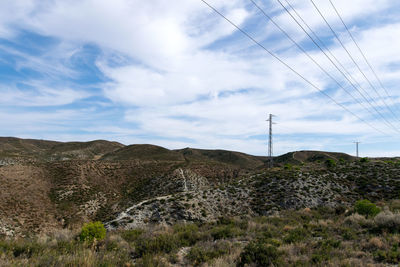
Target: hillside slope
[
  {"x": 229, "y": 157},
  {"x": 298, "y": 157},
  {"x": 143, "y": 152},
  {"x": 39, "y": 150},
  {"x": 65, "y": 184}
]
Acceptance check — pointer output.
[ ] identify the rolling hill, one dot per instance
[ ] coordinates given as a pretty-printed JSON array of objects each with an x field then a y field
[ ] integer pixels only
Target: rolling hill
[{"x": 50, "y": 185}]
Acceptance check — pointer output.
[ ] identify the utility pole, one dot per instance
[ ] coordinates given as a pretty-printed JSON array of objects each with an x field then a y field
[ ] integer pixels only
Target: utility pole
[
  {"x": 357, "y": 147},
  {"x": 270, "y": 154}
]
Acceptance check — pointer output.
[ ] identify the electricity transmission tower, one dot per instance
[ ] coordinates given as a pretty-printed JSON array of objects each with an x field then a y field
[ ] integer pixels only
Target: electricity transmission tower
[
  {"x": 270, "y": 151},
  {"x": 357, "y": 147}
]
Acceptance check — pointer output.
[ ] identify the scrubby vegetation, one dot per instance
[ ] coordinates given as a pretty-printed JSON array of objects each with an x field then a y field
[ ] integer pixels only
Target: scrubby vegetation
[
  {"x": 305, "y": 237},
  {"x": 365, "y": 207},
  {"x": 92, "y": 231}
]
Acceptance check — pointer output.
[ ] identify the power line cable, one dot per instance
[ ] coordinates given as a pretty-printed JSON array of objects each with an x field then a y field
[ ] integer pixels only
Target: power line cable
[
  {"x": 290, "y": 68},
  {"x": 326, "y": 48},
  {"x": 363, "y": 55},
  {"x": 388, "y": 123},
  {"x": 352, "y": 58},
  {"x": 312, "y": 59}
]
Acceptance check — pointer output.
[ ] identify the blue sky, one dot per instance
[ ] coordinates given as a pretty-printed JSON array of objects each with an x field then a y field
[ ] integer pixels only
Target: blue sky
[{"x": 173, "y": 73}]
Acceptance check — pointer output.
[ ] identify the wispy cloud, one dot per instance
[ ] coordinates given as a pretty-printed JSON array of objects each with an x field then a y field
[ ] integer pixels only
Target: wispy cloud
[{"x": 176, "y": 74}]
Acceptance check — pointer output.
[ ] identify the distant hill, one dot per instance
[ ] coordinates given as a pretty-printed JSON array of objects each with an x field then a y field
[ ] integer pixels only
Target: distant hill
[
  {"x": 299, "y": 157},
  {"x": 52, "y": 150},
  {"x": 144, "y": 152},
  {"x": 229, "y": 157},
  {"x": 114, "y": 151},
  {"x": 10, "y": 146}
]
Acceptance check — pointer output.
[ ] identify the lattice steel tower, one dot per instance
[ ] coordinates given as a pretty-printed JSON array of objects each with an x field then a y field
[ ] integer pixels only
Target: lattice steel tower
[{"x": 270, "y": 150}]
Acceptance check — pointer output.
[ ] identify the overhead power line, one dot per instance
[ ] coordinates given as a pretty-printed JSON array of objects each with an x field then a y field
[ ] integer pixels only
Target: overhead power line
[
  {"x": 322, "y": 43},
  {"x": 387, "y": 122},
  {"x": 363, "y": 55},
  {"x": 319, "y": 66},
  {"x": 290, "y": 68},
  {"x": 352, "y": 58}
]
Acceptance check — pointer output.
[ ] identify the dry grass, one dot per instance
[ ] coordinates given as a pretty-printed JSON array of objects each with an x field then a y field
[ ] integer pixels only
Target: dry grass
[
  {"x": 355, "y": 220},
  {"x": 388, "y": 220}
]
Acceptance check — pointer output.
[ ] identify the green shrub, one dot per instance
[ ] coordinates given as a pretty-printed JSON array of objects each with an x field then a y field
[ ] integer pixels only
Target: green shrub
[
  {"x": 324, "y": 250},
  {"x": 348, "y": 233},
  {"x": 225, "y": 231},
  {"x": 367, "y": 208},
  {"x": 65, "y": 247},
  {"x": 91, "y": 231},
  {"x": 132, "y": 235},
  {"x": 364, "y": 160},
  {"x": 330, "y": 163},
  {"x": 288, "y": 166},
  {"x": 390, "y": 256},
  {"x": 295, "y": 235},
  {"x": 260, "y": 253},
  {"x": 150, "y": 260},
  {"x": 203, "y": 253},
  {"x": 25, "y": 248},
  {"x": 162, "y": 243},
  {"x": 187, "y": 234},
  {"x": 242, "y": 224}
]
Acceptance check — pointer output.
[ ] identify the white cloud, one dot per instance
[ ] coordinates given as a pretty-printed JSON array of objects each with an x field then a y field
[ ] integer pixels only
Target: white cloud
[
  {"x": 186, "y": 74},
  {"x": 13, "y": 12},
  {"x": 41, "y": 97}
]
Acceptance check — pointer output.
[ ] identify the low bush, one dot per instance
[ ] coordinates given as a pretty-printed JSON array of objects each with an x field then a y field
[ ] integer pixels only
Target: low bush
[
  {"x": 187, "y": 234},
  {"x": 22, "y": 248},
  {"x": 288, "y": 166},
  {"x": 367, "y": 208},
  {"x": 390, "y": 256},
  {"x": 91, "y": 231},
  {"x": 150, "y": 260},
  {"x": 163, "y": 243},
  {"x": 205, "y": 252},
  {"x": 330, "y": 163},
  {"x": 225, "y": 231},
  {"x": 242, "y": 224},
  {"x": 323, "y": 251},
  {"x": 295, "y": 235},
  {"x": 388, "y": 221},
  {"x": 355, "y": 220},
  {"x": 132, "y": 235},
  {"x": 261, "y": 253}
]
